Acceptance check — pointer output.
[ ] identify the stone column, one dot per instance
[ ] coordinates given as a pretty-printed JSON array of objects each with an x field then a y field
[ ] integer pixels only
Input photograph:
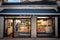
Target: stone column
[
  {"x": 1, "y": 26},
  {"x": 56, "y": 26},
  {"x": 33, "y": 27}
]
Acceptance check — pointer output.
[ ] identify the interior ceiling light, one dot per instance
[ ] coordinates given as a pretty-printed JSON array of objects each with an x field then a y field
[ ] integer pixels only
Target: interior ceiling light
[{"x": 42, "y": 17}]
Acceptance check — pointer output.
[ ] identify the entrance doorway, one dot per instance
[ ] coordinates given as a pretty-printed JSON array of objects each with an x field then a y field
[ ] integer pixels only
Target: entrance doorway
[
  {"x": 17, "y": 27},
  {"x": 8, "y": 30}
]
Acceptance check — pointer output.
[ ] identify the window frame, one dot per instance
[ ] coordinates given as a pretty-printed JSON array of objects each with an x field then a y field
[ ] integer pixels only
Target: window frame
[{"x": 13, "y": 27}]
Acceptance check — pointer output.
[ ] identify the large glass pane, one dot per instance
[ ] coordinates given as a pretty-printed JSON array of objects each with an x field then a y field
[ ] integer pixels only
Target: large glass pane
[
  {"x": 45, "y": 26},
  {"x": 8, "y": 28},
  {"x": 14, "y": 0},
  {"x": 22, "y": 27}
]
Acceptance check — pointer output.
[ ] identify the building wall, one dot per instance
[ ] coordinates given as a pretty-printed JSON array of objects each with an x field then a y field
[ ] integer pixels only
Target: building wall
[{"x": 58, "y": 2}]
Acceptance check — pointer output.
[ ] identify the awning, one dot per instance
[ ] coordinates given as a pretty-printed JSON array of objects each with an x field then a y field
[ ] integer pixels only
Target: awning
[{"x": 28, "y": 11}]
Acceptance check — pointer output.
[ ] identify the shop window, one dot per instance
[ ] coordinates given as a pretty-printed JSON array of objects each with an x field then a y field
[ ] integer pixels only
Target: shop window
[
  {"x": 17, "y": 27},
  {"x": 45, "y": 26},
  {"x": 22, "y": 27}
]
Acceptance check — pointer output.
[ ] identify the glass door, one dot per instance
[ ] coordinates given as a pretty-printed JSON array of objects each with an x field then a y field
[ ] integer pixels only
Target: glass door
[
  {"x": 22, "y": 27},
  {"x": 45, "y": 26},
  {"x": 8, "y": 30}
]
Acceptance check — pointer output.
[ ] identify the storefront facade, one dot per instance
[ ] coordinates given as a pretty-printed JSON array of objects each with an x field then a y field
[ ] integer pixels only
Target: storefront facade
[
  {"x": 29, "y": 20},
  {"x": 29, "y": 26}
]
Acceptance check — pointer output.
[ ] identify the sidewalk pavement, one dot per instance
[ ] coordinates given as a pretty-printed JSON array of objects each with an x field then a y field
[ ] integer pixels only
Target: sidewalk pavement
[{"x": 30, "y": 39}]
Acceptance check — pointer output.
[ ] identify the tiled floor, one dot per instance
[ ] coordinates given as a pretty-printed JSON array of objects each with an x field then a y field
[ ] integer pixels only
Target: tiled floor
[{"x": 30, "y": 39}]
